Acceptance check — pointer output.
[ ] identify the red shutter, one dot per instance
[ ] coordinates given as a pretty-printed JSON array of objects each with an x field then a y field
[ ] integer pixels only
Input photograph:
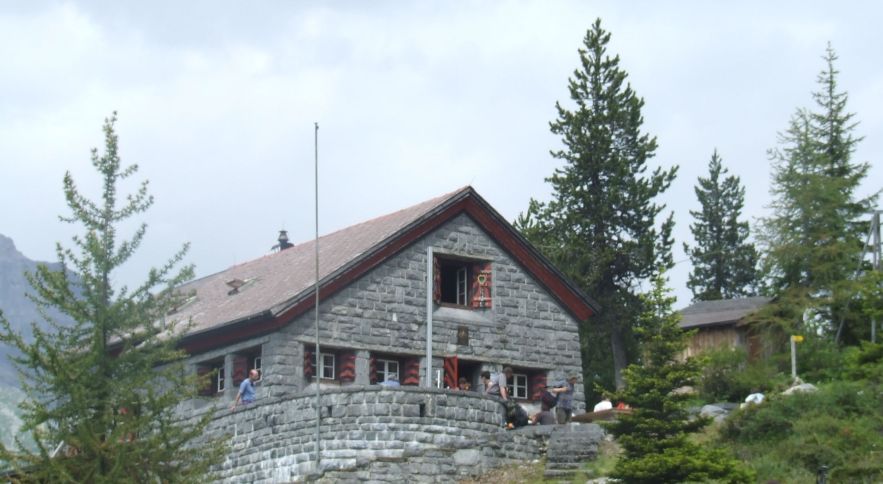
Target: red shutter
[
  {"x": 347, "y": 371},
  {"x": 240, "y": 369},
  {"x": 372, "y": 370},
  {"x": 536, "y": 385},
  {"x": 481, "y": 285},
  {"x": 436, "y": 281},
  {"x": 309, "y": 364},
  {"x": 206, "y": 387},
  {"x": 451, "y": 373},
  {"x": 412, "y": 372}
]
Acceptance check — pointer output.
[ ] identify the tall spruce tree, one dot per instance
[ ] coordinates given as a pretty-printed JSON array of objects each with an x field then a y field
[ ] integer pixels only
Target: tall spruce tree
[
  {"x": 724, "y": 262},
  {"x": 654, "y": 436},
  {"x": 102, "y": 392},
  {"x": 813, "y": 240},
  {"x": 600, "y": 225}
]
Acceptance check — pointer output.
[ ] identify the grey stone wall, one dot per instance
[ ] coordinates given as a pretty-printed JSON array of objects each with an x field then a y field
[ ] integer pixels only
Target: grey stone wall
[
  {"x": 372, "y": 433},
  {"x": 385, "y": 311}
]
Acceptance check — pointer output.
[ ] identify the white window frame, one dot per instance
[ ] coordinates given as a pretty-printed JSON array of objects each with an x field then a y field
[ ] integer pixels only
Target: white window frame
[
  {"x": 381, "y": 365},
  {"x": 518, "y": 386},
  {"x": 323, "y": 366},
  {"x": 220, "y": 378},
  {"x": 256, "y": 365},
  {"x": 462, "y": 285}
]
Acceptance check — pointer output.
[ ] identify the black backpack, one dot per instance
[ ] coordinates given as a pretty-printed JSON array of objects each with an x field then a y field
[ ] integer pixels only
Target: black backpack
[{"x": 549, "y": 398}]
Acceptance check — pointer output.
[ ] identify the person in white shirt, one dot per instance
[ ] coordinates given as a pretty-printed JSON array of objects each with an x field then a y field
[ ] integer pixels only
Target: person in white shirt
[{"x": 604, "y": 404}]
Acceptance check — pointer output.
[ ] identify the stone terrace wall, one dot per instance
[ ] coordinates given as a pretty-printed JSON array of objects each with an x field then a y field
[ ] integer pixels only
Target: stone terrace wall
[{"x": 372, "y": 433}]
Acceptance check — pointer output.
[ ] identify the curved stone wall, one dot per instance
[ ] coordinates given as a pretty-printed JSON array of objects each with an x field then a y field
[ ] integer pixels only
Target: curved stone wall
[{"x": 372, "y": 433}]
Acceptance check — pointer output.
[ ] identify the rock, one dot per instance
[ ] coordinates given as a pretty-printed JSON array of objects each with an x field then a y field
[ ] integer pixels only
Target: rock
[
  {"x": 715, "y": 412},
  {"x": 466, "y": 457},
  {"x": 801, "y": 388}
]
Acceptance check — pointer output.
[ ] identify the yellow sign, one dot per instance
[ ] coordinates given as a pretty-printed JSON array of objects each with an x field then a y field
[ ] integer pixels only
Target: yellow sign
[{"x": 797, "y": 338}]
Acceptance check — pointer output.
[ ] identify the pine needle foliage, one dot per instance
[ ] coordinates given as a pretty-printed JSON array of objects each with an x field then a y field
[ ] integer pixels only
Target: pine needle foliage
[
  {"x": 600, "y": 225},
  {"x": 654, "y": 436},
  {"x": 724, "y": 261},
  {"x": 103, "y": 391}
]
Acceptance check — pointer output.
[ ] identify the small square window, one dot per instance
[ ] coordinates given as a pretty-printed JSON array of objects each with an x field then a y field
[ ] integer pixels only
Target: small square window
[
  {"x": 518, "y": 386},
  {"x": 326, "y": 366},
  {"x": 387, "y": 369}
]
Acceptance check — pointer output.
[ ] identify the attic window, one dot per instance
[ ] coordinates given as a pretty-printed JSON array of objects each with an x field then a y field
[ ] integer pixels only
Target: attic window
[{"x": 461, "y": 282}]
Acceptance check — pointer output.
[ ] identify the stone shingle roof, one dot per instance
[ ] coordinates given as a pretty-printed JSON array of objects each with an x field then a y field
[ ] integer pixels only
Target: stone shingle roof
[
  {"x": 722, "y": 312},
  {"x": 278, "y": 286},
  {"x": 275, "y": 281}
]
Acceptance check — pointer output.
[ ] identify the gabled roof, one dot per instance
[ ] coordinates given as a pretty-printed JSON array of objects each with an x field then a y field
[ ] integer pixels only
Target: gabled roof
[
  {"x": 721, "y": 312},
  {"x": 280, "y": 286}
]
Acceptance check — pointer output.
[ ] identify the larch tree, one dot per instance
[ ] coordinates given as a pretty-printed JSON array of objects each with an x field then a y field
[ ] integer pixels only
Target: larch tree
[
  {"x": 103, "y": 391},
  {"x": 814, "y": 238},
  {"x": 600, "y": 225},
  {"x": 724, "y": 261}
]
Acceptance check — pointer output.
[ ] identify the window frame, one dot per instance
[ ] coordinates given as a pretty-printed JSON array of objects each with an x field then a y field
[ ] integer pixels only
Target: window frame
[
  {"x": 514, "y": 387},
  {"x": 385, "y": 370},
  {"x": 220, "y": 379},
  {"x": 320, "y": 373}
]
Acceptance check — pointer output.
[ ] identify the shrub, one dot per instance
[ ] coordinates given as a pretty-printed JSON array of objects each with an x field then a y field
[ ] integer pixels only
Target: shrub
[{"x": 727, "y": 376}]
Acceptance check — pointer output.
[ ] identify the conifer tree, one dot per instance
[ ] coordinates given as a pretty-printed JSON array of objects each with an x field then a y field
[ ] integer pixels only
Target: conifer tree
[
  {"x": 600, "y": 225},
  {"x": 724, "y": 262},
  {"x": 814, "y": 238},
  {"x": 102, "y": 392},
  {"x": 654, "y": 436}
]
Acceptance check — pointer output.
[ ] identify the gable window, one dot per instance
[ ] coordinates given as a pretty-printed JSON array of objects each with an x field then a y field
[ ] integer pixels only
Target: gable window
[
  {"x": 518, "y": 386},
  {"x": 461, "y": 282}
]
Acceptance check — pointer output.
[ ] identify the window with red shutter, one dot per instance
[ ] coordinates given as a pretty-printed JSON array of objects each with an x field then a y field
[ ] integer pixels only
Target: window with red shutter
[{"x": 240, "y": 369}]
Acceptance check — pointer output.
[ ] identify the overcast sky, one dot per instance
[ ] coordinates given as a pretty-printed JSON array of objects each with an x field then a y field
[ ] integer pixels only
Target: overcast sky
[{"x": 217, "y": 101}]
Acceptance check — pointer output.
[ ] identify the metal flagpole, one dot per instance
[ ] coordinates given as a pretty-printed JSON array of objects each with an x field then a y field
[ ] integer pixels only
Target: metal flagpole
[{"x": 316, "y": 308}]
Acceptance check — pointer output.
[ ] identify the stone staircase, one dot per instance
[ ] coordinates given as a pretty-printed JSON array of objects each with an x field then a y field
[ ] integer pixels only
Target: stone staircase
[{"x": 569, "y": 447}]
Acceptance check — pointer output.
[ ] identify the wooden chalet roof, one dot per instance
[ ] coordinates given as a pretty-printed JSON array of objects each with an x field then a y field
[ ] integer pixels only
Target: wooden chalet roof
[
  {"x": 280, "y": 286},
  {"x": 703, "y": 314}
]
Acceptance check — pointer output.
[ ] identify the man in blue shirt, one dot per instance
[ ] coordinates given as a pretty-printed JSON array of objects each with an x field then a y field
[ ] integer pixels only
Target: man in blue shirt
[{"x": 246, "y": 389}]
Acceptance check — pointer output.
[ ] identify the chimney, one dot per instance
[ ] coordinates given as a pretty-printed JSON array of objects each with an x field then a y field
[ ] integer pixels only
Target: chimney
[{"x": 283, "y": 241}]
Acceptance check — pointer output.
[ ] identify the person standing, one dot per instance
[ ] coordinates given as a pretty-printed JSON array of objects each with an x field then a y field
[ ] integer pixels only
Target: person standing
[
  {"x": 246, "y": 389},
  {"x": 564, "y": 408},
  {"x": 496, "y": 384}
]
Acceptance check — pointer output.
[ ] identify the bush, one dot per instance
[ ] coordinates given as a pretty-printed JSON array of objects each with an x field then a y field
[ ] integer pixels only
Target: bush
[
  {"x": 838, "y": 426},
  {"x": 727, "y": 376}
]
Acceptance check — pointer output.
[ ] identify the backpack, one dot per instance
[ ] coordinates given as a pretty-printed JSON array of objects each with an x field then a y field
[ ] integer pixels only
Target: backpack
[{"x": 549, "y": 398}]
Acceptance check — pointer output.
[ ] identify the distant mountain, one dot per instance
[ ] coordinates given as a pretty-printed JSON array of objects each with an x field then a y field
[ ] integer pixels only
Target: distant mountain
[{"x": 17, "y": 308}]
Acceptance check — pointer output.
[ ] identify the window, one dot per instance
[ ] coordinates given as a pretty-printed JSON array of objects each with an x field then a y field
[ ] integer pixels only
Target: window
[
  {"x": 462, "y": 282},
  {"x": 386, "y": 369},
  {"x": 518, "y": 386},
  {"x": 220, "y": 379},
  {"x": 326, "y": 366}
]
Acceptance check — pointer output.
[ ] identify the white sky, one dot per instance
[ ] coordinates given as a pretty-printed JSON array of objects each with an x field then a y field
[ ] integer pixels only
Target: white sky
[{"x": 217, "y": 101}]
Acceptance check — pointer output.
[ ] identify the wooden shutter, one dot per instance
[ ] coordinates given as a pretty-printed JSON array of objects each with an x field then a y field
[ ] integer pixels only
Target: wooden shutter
[
  {"x": 240, "y": 369},
  {"x": 412, "y": 372},
  {"x": 206, "y": 383},
  {"x": 481, "y": 285},
  {"x": 372, "y": 370},
  {"x": 436, "y": 281},
  {"x": 347, "y": 372},
  {"x": 451, "y": 372},
  {"x": 309, "y": 364},
  {"x": 536, "y": 385}
]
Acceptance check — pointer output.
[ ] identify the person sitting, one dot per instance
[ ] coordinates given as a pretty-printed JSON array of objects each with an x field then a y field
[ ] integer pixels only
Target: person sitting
[
  {"x": 544, "y": 416},
  {"x": 604, "y": 404},
  {"x": 463, "y": 384}
]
